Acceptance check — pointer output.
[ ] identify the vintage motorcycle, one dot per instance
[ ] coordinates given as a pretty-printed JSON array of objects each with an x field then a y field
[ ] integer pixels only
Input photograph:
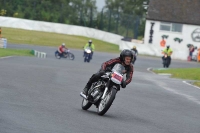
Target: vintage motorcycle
[
  {"x": 66, "y": 54},
  {"x": 87, "y": 54},
  {"x": 102, "y": 93}
]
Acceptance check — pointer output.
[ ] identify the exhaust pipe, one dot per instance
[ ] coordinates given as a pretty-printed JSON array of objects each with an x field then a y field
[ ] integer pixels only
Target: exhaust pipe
[{"x": 83, "y": 95}]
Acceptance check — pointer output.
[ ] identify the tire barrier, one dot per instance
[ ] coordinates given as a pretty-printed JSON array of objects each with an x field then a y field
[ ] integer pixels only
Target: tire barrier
[{"x": 39, "y": 54}]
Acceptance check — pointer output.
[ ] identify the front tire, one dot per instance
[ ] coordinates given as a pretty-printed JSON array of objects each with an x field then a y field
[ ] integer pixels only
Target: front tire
[
  {"x": 105, "y": 104},
  {"x": 87, "y": 57},
  {"x": 71, "y": 56},
  {"x": 86, "y": 104}
]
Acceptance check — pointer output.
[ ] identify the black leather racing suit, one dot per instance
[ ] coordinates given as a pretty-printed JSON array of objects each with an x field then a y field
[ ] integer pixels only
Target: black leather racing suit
[{"x": 110, "y": 64}]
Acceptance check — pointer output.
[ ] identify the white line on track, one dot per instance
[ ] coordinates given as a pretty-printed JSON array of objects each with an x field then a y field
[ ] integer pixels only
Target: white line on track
[
  {"x": 6, "y": 57},
  {"x": 149, "y": 69},
  {"x": 191, "y": 85}
]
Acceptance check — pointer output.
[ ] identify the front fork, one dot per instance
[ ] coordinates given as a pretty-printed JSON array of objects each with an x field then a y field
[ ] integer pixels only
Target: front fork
[{"x": 106, "y": 89}]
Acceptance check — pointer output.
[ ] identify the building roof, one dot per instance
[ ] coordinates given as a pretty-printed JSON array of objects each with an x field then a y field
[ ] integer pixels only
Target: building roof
[{"x": 177, "y": 11}]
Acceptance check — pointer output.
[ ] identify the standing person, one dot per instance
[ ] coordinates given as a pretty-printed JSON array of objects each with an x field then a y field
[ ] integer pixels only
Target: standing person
[
  {"x": 169, "y": 52},
  {"x": 91, "y": 45},
  {"x": 191, "y": 49},
  {"x": 198, "y": 56}
]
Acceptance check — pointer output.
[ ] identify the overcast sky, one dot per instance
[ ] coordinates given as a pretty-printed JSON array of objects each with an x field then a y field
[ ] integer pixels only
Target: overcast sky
[{"x": 100, "y": 4}]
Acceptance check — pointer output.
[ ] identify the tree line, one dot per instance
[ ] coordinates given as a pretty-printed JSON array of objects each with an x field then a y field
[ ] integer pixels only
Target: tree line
[{"x": 121, "y": 17}]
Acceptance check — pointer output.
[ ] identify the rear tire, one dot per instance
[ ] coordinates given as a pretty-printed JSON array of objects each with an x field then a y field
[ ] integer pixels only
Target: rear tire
[
  {"x": 57, "y": 55},
  {"x": 105, "y": 105}
]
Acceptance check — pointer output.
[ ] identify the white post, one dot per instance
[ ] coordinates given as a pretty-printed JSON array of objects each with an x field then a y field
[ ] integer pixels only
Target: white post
[
  {"x": 38, "y": 54},
  {"x": 43, "y": 55},
  {"x": 35, "y": 52}
]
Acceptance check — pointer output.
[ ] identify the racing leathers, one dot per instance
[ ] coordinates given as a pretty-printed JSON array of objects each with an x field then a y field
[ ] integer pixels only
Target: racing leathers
[{"x": 108, "y": 65}]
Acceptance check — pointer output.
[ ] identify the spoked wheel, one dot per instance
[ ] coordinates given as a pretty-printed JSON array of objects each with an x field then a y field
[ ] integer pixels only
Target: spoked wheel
[
  {"x": 86, "y": 104},
  {"x": 71, "y": 56},
  {"x": 105, "y": 103},
  {"x": 57, "y": 55}
]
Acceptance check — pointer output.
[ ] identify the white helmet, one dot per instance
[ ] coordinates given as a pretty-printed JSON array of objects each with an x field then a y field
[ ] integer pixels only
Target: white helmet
[
  {"x": 63, "y": 44},
  {"x": 90, "y": 41}
]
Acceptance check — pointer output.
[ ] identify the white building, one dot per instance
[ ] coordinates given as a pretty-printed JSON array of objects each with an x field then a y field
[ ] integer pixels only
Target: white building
[{"x": 175, "y": 21}]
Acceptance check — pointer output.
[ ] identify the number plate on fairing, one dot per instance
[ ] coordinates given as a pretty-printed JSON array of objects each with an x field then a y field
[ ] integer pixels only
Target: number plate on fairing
[{"x": 117, "y": 78}]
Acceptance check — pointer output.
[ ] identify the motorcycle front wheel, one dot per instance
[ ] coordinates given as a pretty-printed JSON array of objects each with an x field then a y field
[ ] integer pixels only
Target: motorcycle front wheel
[
  {"x": 86, "y": 104},
  {"x": 87, "y": 58},
  {"x": 71, "y": 56},
  {"x": 105, "y": 103}
]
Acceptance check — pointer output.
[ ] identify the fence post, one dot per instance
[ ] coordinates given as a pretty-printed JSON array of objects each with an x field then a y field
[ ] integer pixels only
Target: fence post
[
  {"x": 109, "y": 20},
  {"x": 136, "y": 27},
  {"x": 117, "y": 23},
  {"x": 0, "y": 32}
]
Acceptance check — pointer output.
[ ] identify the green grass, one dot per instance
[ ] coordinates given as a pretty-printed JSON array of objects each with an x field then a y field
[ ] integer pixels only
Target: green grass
[
  {"x": 197, "y": 83},
  {"x": 14, "y": 52},
  {"x": 183, "y": 73},
  {"x": 19, "y": 36}
]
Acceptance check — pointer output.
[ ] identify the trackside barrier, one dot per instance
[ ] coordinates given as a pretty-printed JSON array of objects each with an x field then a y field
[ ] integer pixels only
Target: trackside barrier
[
  {"x": 3, "y": 43},
  {"x": 39, "y": 54}
]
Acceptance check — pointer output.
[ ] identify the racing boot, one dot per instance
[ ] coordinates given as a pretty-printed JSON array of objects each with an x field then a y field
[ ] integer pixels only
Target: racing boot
[
  {"x": 93, "y": 79},
  {"x": 87, "y": 87},
  {"x": 85, "y": 90}
]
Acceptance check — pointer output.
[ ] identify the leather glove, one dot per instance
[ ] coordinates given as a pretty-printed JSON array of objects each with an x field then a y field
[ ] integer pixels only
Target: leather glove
[
  {"x": 102, "y": 72},
  {"x": 123, "y": 85},
  {"x": 108, "y": 69}
]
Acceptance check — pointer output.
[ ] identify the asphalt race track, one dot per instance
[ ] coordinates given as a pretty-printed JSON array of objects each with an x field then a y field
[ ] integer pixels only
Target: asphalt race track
[{"x": 42, "y": 96}]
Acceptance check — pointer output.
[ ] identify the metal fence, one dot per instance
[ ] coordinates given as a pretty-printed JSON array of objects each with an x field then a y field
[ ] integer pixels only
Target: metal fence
[{"x": 119, "y": 23}]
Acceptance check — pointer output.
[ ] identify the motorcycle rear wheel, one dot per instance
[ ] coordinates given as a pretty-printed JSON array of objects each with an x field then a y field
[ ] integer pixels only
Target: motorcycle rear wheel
[{"x": 57, "y": 55}]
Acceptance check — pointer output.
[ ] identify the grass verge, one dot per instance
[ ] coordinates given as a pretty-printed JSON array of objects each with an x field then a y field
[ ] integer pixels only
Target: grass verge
[
  {"x": 14, "y": 52},
  {"x": 19, "y": 36},
  {"x": 183, "y": 73}
]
